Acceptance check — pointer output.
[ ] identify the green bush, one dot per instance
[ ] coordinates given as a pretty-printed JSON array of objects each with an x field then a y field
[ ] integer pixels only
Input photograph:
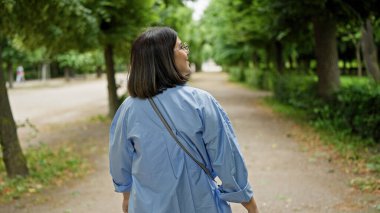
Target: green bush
[
  {"x": 357, "y": 108},
  {"x": 237, "y": 73},
  {"x": 258, "y": 78},
  {"x": 354, "y": 110},
  {"x": 295, "y": 90},
  {"x": 263, "y": 79}
]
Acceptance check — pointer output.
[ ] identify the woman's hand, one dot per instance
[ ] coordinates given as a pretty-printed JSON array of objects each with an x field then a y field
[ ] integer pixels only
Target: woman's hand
[
  {"x": 124, "y": 205},
  {"x": 251, "y": 206}
]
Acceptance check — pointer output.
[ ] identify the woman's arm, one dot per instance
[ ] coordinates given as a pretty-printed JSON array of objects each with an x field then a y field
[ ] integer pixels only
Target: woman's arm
[
  {"x": 125, "y": 202},
  {"x": 225, "y": 156},
  {"x": 251, "y": 206}
]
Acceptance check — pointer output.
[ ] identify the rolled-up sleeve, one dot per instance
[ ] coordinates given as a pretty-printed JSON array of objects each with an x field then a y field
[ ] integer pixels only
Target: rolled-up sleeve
[
  {"x": 225, "y": 157},
  {"x": 120, "y": 153}
]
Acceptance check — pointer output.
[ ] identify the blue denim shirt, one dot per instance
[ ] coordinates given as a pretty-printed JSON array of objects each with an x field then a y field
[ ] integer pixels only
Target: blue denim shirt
[{"x": 147, "y": 162}]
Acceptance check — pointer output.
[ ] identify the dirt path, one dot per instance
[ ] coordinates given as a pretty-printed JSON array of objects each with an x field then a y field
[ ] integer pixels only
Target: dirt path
[{"x": 284, "y": 178}]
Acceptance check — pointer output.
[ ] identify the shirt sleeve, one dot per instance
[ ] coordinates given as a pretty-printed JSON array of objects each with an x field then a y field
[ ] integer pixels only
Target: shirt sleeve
[
  {"x": 225, "y": 157},
  {"x": 120, "y": 154}
]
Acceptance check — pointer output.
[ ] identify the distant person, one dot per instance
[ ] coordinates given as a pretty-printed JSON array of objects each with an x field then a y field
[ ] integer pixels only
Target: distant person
[
  {"x": 20, "y": 74},
  {"x": 167, "y": 164}
]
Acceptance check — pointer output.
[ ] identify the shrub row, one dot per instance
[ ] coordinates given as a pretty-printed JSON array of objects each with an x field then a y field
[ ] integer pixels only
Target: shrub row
[
  {"x": 355, "y": 108},
  {"x": 261, "y": 79}
]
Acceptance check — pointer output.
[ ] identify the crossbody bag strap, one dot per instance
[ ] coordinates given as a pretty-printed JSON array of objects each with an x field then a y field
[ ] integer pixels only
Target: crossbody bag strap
[{"x": 155, "y": 108}]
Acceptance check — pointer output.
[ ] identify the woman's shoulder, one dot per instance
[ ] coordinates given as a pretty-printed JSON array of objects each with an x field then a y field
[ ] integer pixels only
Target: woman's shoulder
[
  {"x": 195, "y": 95},
  {"x": 131, "y": 102},
  {"x": 200, "y": 93}
]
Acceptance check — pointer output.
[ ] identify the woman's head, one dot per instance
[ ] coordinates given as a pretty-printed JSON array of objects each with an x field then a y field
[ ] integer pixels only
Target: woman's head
[{"x": 158, "y": 61}]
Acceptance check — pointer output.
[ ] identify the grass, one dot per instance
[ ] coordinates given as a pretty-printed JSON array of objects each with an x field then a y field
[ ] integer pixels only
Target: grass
[
  {"x": 100, "y": 118},
  {"x": 362, "y": 157},
  {"x": 354, "y": 80},
  {"x": 46, "y": 167},
  {"x": 286, "y": 110}
]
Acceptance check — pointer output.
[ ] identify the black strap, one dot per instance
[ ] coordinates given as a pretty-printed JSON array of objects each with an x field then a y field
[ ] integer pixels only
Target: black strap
[{"x": 154, "y": 106}]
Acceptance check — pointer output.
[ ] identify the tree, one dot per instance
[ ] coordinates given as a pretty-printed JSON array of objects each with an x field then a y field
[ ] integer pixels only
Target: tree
[
  {"x": 370, "y": 51},
  {"x": 350, "y": 38},
  {"x": 325, "y": 17},
  {"x": 321, "y": 14},
  {"x": 281, "y": 30},
  {"x": 10, "y": 56},
  {"x": 228, "y": 31},
  {"x": 326, "y": 55},
  {"x": 36, "y": 23},
  {"x": 119, "y": 22},
  {"x": 14, "y": 160},
  {"x": 13, "y": 157},
  {"x": 248, "y": 32},
  {"x": 51, "y": 24},
  {"x": 82, "y": 63}
]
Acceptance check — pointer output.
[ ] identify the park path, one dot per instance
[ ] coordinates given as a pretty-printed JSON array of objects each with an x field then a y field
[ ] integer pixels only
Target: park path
[{"x": 284, "y": 176}]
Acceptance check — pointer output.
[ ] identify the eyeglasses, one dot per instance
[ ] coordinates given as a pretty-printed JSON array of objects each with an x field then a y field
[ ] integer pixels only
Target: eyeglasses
[{"x": 184, "y": 46}]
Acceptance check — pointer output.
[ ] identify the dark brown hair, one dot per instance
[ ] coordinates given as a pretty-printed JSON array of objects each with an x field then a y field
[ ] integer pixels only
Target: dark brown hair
[{"x": 152, "y": 63}]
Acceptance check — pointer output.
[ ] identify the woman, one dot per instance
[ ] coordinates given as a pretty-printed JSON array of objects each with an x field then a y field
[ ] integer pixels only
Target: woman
[{"x": 152, "y": 171}]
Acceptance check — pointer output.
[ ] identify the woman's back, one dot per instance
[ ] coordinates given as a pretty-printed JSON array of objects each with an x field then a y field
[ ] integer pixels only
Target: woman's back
[{"x": 165, "y": 179}]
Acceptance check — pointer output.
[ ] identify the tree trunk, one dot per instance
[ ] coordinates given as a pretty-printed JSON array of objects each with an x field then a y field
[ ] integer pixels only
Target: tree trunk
[
  {"x": 10, "y": 73},
  {"x": 14, "y": 160},
  {"x": 255, "y": 60},
  {"x": 326, "y": 55},
  {"x": 67, "y": 74},
  {"x": 370, "y": 52},
  {"x": 113, "y": 101},
  {"x": 198, "y": 67},
  {"x": 279, "y": 58},
  {"x": 98, "y": 71},
  {"x": 358, "y": 58},
  {"x": 291, "y": 63},
  {"x": 345, "y": 69},
  {"x": 268, "y": 57},
  {"x": 45, "y": 71}
]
